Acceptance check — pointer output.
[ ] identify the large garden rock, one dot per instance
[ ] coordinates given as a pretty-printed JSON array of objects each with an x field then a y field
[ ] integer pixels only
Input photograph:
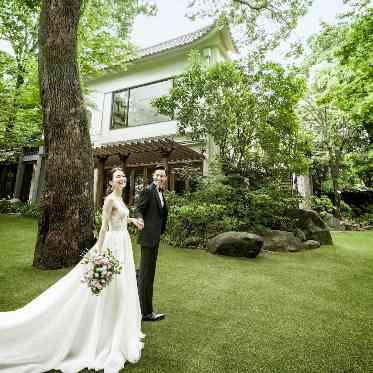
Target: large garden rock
[
  {"x": 311, "y": 224},
  {"x": 311, "y": 244},
  {"x": 300, "y": 234},
  {"x": 242, "y": 244},
  {"x": 281, "y": 241},
  {"x": 332, "y": 222}
]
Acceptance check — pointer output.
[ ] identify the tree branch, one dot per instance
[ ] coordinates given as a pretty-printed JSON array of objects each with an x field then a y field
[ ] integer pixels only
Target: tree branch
[{"x": 251, "y": 6}]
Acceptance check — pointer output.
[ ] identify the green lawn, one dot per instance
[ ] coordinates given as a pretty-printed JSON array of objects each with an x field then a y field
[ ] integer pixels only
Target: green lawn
[{"x": 302, "y": 312}]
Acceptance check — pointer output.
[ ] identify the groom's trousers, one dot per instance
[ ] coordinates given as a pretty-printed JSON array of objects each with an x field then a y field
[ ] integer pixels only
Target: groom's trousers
[{"x": 148, "y": 263}]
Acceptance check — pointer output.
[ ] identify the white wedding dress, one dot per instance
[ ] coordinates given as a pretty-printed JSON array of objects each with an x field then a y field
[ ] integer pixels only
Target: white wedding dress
[{"x": 67, "y": 328}]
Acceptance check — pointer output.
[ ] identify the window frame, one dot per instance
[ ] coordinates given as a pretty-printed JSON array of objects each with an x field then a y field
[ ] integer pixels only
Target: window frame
[{"x": 172, "y": 78}]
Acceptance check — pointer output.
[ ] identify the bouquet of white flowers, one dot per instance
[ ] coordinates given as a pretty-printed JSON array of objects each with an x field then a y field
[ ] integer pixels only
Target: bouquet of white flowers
[{"x": 100, "y": 269}]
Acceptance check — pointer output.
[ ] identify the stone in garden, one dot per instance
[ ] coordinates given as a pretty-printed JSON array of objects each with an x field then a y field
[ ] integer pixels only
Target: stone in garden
[
  {"x": 282, "y": 241},
  {"x": 300, "y": 234},
  {"x": 348, "y": 226},
  {"x": 240, "y": 244},
  {"x": 311, "y": 244},
  {"x": 332, "y": 222},
  {"x": 311, "y": 224}
]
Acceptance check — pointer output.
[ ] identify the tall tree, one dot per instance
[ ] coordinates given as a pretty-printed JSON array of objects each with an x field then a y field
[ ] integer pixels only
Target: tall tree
[
  {"x": 333, "y": 132},
  {"x": 103, "y": 34},
  {"x": 355, "y": 60},
  {"x": 348, "y": 47},
  {"x": 103, "y": 45},
  {"x": 249, "y": 114},
  {"x": 65, "y": 226},
  {"x": 91, "y": 34},
  {"x": 18, "y": 26},
  {"x": 259, "y": 25},
  {"x": 26, "y": 114}
]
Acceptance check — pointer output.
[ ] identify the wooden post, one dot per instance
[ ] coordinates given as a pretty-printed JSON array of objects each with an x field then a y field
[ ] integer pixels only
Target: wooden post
[
  {"x": 165, "y": 156},
  {"x": 100, "y": 180},
  {"x": 19, "y": 177},
  {"x": 187, "y": 184},
  {"x": 37, "y": 178},
  {"x": 124, "y": 158},
  {"x": 132, "y": 187},
  {"x": 172, "y": 180},
  {"x": 3, "y": 179},
  {"x": 145, "y": 177}
]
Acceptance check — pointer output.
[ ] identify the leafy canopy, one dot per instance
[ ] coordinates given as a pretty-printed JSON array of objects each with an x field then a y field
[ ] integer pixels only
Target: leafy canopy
[
  {"x": 103, "y": 45},
  {"x": 249, "y": 115},
  {"x": 258, "y": 25}
]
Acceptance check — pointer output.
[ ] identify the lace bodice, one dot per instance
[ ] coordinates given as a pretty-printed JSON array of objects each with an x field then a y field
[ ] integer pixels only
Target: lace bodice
[{"x": 119, "y": 216}]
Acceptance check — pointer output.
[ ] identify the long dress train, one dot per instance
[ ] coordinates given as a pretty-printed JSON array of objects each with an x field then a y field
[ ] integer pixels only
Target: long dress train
[{"x": 68, "y": 328}]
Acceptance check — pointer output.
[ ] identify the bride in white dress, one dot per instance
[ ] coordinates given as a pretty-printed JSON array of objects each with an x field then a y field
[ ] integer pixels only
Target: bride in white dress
[{"x": 67, "y": 328}]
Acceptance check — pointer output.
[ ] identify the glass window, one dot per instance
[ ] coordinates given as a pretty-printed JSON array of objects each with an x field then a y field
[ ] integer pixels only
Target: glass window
[
  {"x": 119, "y": 109},
  {"x": 141, "y": 110}
]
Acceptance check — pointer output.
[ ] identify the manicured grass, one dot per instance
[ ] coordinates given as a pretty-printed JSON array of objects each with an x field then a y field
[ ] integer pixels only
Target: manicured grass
[{"x": 302, "y": 312}]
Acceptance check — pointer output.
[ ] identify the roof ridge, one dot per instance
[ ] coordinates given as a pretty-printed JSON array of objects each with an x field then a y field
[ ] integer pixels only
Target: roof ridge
[
  {"x": 201, "y": 30},
  {"x": 180, "y": 40}
]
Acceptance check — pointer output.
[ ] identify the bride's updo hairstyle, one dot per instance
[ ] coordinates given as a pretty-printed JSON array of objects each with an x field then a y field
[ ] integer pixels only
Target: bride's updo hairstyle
[{"x": 112, "y": 172}]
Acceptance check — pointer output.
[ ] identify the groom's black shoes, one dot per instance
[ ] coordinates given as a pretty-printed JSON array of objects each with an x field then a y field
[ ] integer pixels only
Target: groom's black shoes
[{"x": 154, "y": 317}]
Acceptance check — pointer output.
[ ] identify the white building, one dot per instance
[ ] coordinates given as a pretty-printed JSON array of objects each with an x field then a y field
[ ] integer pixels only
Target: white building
[{"x": 126, "y": 130}]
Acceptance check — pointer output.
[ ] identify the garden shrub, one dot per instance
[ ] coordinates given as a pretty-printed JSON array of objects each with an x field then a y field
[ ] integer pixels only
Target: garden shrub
[
  {"x": 31, "y": 210},
  {"x": 322, "y": 204},
  {"x": 188, "y": 225},
  {"x": 18, "y": 207},
  {"x": 346, "y": 210},
  {"x": 5, "y": 206},
  {"x": 217, "y": 206}
]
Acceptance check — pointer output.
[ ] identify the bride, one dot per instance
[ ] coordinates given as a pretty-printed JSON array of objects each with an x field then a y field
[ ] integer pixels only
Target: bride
[{"x": 67, "y": 327}]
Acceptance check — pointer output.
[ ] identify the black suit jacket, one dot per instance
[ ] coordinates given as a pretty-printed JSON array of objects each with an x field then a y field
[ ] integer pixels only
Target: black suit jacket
[{"x": 149, "y": 208}]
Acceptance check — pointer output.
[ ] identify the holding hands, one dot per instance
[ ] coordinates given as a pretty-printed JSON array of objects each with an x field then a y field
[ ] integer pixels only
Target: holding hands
[{"x": 139, "y": 223}]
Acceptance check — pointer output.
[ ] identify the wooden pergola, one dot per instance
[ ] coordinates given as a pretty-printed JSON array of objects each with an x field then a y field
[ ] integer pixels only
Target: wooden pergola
[{"x": 142, "y": 154}]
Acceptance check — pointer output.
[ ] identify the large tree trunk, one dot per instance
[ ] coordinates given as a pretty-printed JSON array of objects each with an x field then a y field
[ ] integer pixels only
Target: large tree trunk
[{"x": 65, "y": 226}]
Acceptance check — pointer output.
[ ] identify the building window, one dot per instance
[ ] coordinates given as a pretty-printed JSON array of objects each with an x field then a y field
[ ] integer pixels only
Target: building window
[
  {"x": 120, "y": 109},
  {"x": 132, "y": 107}
]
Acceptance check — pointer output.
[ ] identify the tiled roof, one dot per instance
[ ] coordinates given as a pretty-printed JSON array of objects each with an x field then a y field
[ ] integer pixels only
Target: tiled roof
[{"x": 174, "y": 43}]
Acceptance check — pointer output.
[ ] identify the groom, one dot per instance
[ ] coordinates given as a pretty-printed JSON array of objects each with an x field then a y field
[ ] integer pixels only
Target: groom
[{"x": 151, "y": 209}]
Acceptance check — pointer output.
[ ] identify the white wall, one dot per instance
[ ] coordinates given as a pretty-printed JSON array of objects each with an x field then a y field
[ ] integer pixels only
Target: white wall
[
  {"x": 101, "y": 96},
  {"x": 140, "y": 72}
]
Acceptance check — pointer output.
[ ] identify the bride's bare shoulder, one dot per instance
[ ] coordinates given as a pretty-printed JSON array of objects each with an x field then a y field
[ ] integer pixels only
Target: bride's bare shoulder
[{"x": 109, "y": 200}]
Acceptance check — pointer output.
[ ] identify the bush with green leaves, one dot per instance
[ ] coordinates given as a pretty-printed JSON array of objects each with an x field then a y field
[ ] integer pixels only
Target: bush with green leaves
[
  {"x": 29, "y": 209},
  {"x": 346, "y": 210},
  {"x": 322, "y": 204},
  {"x": 249, "y": 113},
  {"x": 222, "y": 204},
  {"x": 190, "y": 224},
  {"x": 6, "y": 207}
]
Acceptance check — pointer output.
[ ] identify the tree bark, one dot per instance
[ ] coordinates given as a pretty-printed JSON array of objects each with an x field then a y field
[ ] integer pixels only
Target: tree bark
[{"x": 65, "y": 226}]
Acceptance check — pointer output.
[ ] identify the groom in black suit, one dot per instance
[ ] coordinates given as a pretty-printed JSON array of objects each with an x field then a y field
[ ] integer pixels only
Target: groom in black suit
[{"x": 151, "y": 209}]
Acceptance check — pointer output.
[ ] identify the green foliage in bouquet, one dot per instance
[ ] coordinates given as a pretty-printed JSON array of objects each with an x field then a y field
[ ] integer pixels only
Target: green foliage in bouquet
[{"x": 100, "y": 270}]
